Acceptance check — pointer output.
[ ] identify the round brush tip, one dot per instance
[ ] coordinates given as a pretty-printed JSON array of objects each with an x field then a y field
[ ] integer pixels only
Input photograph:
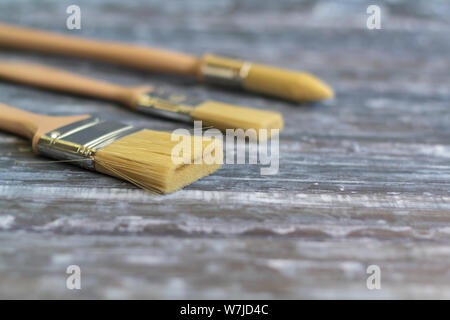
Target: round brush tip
[{"x": 289, "y": 85}]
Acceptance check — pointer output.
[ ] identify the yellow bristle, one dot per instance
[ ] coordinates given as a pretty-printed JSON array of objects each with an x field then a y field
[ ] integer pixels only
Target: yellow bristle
[
  {"x": 224, "y": 116},
  {"x": 296, "y": 86},
  {"x": 145, "y": 159}
]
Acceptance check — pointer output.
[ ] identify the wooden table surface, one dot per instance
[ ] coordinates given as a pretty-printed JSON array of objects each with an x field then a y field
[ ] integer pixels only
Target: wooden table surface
[{"x": 364, "y": 178}]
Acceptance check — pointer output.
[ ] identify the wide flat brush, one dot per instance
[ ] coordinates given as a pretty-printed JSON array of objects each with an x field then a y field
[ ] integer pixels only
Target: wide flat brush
[
  {"x": 143, "y": 157},
  {"x": 290, "y": 85},
  {"x": 146, "y": 99}
]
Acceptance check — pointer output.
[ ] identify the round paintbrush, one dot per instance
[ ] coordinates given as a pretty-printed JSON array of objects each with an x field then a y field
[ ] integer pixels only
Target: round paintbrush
[{"x": 286, "y": 84}]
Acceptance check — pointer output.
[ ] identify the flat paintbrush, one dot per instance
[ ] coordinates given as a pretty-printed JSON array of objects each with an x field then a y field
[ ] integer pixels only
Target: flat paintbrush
[
  {"x": 290, "y": 85},
  {"x": 147, "y": 99},
  {"x": 143, "y": 157}
]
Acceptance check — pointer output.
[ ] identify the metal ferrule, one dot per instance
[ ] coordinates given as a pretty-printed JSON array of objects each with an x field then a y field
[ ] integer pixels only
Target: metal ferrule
[
  {"x": 164, "y": 105},
  {"x": 219, "y": 70},
  {"x": 82, "y": 139}
]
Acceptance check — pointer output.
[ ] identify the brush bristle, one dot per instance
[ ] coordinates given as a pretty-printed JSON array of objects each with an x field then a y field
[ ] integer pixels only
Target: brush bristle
[
  {"x": 224, "y": 116},
  {"x": 295, "y": 86},
  {"x": 145, "y": 159}
]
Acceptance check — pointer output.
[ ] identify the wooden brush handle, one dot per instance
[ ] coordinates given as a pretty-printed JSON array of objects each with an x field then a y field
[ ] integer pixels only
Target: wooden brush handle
[
  {"x": 54, "y": 79},
  {"x": 30, "y": 125},
  {"x": 19, "y": 122},
  {"x": 130, "y": 55}
]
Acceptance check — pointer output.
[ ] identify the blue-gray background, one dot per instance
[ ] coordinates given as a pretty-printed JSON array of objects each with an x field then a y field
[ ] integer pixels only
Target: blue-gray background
[{"x": 364, "y": 178}]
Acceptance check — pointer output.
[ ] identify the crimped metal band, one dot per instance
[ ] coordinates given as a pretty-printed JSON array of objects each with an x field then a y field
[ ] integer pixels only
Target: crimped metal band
[
  {"x": 220, "y": 70},
  {"x": 82, "y": 139},
  {"x": 163, "y": 104}
]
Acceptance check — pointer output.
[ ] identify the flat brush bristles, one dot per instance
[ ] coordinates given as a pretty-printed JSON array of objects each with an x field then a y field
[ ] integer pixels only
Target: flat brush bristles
[
  {"x": 145, "y": 159},
  {"x": 223, "y": 116}
]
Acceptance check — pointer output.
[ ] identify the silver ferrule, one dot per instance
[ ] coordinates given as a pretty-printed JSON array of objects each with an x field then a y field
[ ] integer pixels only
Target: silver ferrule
[
  {"x": 164, "y": 105},
  {"x": 79, "y": 141},
  {"x": 224, "y": 71}
]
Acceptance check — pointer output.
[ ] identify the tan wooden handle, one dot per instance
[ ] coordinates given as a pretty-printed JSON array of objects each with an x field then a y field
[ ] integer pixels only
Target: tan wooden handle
[
  {"x": 30, "y": 125},
  {"x": 54, "y": 79},
  {"x": 18, "y": 121},
  {"x": 150, "y": 59}
]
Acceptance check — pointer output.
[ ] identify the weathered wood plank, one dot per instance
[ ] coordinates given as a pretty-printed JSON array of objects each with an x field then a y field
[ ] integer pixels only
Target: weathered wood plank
[{"x": 363, "y": 179}]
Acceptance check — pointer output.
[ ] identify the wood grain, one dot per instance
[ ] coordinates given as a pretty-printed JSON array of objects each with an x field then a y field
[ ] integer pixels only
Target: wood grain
[{"x": 364, "y": 178}]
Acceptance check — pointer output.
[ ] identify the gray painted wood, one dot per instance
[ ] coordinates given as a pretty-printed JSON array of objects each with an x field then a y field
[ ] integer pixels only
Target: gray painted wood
[{"x": 364, "y": 178}]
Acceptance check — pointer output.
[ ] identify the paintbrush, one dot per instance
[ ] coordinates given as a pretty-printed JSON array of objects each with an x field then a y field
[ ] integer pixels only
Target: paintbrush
[
  {"x": 143, "y": 157},
  {"x": 290, "y": 85},
  {"x": 147, "y": 99}
]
